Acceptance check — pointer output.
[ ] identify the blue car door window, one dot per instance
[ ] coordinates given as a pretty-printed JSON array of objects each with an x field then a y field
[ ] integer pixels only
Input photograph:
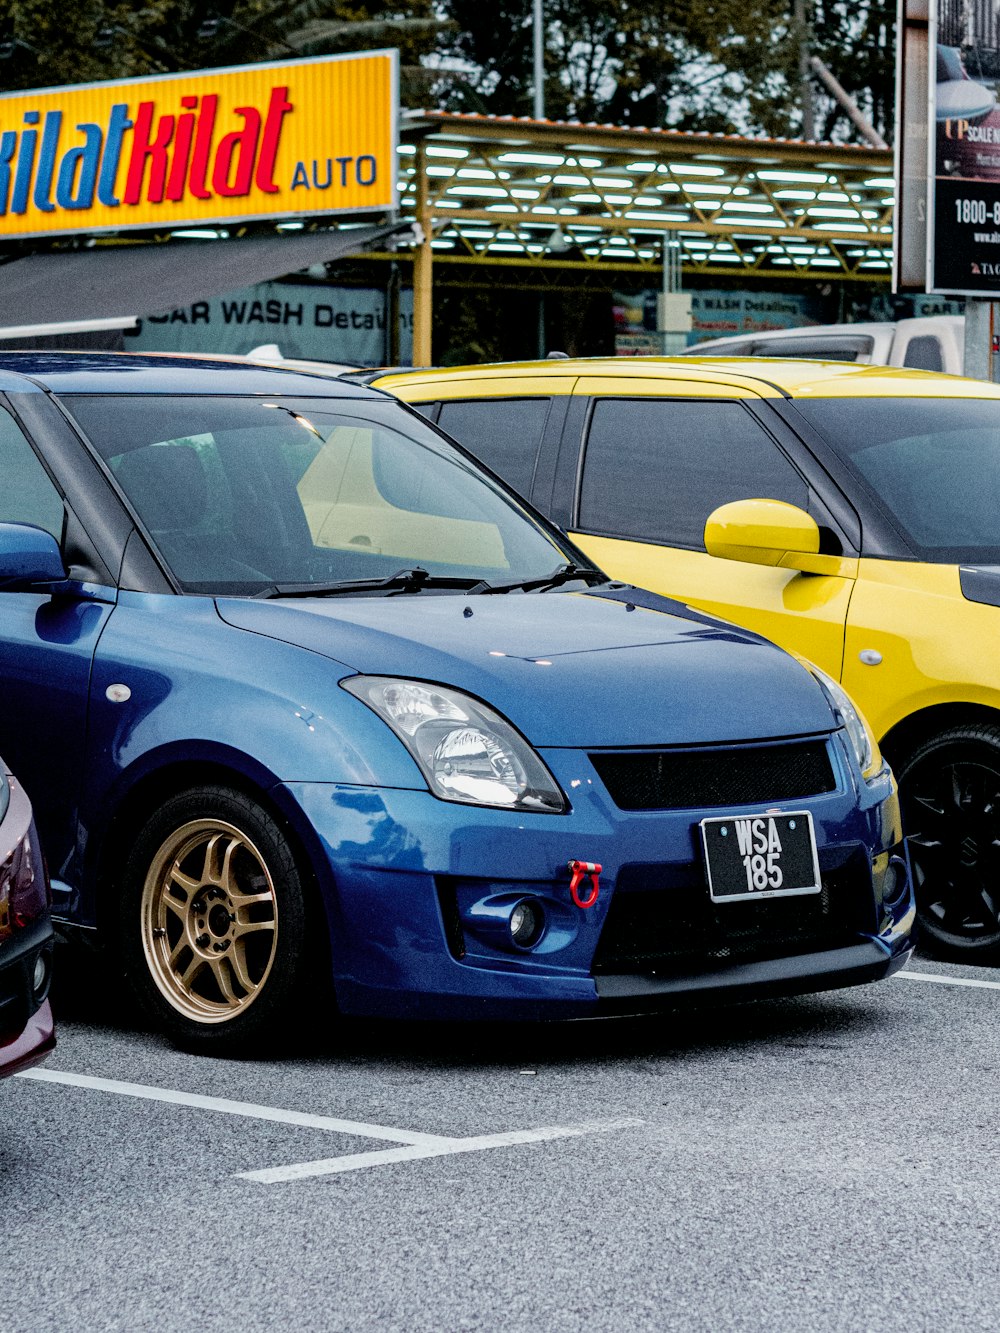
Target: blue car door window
[{"x": 27, "y": 493}]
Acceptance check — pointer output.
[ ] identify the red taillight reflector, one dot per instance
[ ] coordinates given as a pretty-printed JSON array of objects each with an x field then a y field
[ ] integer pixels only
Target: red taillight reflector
[{"x": 23, "y": 890}]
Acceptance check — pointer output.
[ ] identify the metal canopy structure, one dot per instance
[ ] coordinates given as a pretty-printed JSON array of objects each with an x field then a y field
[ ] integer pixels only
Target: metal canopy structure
[{"x": 490, "y": 190}]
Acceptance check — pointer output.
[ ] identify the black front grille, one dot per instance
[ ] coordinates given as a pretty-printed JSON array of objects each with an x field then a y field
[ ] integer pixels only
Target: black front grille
[
  {"x": 662, "y": 922},
  {"x": 735, "y": 776}
]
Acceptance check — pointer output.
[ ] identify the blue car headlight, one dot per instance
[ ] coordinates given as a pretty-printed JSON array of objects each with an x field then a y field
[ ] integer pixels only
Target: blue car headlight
[
  {"x": 465, "y": 750},
  {"x": 859, "y": 733}
]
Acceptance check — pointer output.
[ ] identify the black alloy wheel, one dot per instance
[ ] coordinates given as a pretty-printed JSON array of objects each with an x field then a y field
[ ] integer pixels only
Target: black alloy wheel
[{"x": 949, "y": 791}]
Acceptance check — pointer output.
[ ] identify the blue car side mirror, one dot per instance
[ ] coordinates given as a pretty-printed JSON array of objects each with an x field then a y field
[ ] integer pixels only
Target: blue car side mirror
[{"x": 28, "y": 556}]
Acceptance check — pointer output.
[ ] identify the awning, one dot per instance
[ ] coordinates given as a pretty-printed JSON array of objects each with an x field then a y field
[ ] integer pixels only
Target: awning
[{"x": 110, "y": 287}]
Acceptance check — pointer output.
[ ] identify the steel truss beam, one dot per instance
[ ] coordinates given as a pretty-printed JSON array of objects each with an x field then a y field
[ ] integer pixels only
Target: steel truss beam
[{"x": 529, "y": 194}]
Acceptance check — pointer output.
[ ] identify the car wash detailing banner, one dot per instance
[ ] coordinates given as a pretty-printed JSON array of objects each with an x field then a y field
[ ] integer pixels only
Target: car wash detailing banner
[
  {"x": 316, "y": 321},
  {"x": 964, "y": 218},
  {"x": 279, "y": 140}
]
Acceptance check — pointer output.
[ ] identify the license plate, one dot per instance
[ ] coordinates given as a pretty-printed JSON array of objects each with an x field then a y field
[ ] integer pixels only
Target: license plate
[{"x": 760, "y": 856}]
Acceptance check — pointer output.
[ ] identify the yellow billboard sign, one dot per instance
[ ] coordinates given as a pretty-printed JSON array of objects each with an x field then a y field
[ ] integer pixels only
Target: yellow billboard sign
[{"x": 289, "y": 139}]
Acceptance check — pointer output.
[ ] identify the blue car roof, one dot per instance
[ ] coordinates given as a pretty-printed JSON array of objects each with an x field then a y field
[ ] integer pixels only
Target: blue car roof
[{"x": 163, "y": 373}]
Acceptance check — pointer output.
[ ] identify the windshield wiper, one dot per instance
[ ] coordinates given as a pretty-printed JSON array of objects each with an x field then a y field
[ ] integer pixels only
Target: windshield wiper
[
  {"x": 564, "y": 574},
  {"x": 404, "y": 580},
  {"x": 415, "y": 580}
]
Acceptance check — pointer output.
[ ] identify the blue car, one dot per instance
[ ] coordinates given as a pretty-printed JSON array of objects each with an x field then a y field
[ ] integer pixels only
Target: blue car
[{"x": 318, "y": 717}]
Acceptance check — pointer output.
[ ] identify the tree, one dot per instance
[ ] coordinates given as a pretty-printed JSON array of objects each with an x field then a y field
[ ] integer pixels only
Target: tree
[
  {"x": 858, "y": 43},
  {"x": 52, "y": 42},
  {"x": 718, "y": 65}
]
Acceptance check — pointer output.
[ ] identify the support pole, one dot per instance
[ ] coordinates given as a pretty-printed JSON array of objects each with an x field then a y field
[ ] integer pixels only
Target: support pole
[
  {"x": 671, "y": 284},
  {"x": 982, "y": 325},
  {"x": 805, "y": 79},
  {"x": 391, "y": 341},
  {"x": 673, "y": 310},
  {"x": 538, "y": 47},
  {"x": 423, "y": 269}
]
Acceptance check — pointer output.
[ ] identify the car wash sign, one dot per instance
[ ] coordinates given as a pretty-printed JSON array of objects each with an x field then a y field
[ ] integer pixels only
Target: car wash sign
[{"x": 282, "y": 140}]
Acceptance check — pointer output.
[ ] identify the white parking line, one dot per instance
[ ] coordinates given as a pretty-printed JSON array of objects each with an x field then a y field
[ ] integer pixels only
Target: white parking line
[
  {"x": 357, "y": 1161},
  {"x": 303, "y": 1118},
  {"x": 938, "y": 980},
  {"x": 413, "y": 1145}
]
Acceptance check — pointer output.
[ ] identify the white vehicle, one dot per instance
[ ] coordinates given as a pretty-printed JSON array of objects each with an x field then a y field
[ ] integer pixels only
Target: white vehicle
[
  {"x": 932, "y": 342},
  {"x": 269, "y": 354}
]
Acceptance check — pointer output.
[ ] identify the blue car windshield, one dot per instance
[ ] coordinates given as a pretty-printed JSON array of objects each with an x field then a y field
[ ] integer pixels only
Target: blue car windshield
[
  {"x": 932, "y": 463},
  {"x": 240, "y": 495}
]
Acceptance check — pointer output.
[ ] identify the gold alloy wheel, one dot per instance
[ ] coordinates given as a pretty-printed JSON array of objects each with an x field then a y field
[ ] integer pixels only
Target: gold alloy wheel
[{"x": 209, "y": 920}]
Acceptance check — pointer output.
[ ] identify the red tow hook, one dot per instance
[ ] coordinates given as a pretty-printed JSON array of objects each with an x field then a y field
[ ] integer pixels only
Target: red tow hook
[{"x": 579, "y": 871}]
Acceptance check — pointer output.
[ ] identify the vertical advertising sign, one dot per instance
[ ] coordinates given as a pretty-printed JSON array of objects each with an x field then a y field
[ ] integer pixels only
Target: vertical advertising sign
[{"x": 964, "y": 222}]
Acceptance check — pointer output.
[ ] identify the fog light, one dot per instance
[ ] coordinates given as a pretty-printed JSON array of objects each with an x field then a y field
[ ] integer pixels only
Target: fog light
[
  {"x": 40, "y": 978},
  {"x": 526, "y": 923},
  {"x": 894, "y": 884}
]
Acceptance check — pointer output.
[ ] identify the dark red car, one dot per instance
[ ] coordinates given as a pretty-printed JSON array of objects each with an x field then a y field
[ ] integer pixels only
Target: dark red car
[{"x": 26, "y": 1030}]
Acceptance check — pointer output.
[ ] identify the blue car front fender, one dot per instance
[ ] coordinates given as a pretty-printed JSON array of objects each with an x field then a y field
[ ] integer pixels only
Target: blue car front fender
[{"x": 267, "y": 711}]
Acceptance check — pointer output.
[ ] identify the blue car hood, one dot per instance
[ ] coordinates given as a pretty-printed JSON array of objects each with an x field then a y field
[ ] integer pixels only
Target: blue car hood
[{"x": 568, "y": 669}]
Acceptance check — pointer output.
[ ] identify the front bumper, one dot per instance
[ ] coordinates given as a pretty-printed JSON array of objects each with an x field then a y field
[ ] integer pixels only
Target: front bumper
[
  {"x": 32, "y": 1045},
  {"x": 409, "y": 881},
  {"x": 855, "y": 965}
]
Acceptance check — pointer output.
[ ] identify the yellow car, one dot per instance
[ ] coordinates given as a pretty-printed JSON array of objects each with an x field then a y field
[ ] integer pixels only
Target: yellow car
[{"x": 851, "y": 513}]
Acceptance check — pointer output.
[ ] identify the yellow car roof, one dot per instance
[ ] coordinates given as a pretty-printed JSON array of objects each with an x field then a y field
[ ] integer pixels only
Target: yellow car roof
[{"x": 767, "y": 376}]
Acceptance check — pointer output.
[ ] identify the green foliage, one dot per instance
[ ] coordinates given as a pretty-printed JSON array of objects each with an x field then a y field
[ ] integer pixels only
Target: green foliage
[
  {"x": 858, "y": 43},
  {"x": 718, "y": 65},
  {"x": 75, "y": 41}
]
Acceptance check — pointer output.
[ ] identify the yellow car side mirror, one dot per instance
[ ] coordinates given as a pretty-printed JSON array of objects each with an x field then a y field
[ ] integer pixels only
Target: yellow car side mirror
[{"x": 767, "y": 532}]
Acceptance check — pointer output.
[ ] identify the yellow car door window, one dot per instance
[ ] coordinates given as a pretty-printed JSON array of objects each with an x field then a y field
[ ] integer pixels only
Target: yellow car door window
[{"x": 653, "y": 470}]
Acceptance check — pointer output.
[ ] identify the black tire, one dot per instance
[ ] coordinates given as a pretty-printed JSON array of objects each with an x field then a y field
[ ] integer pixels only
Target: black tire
[
  {"x": 949, "y": 790},
  {"x": 213, "y": 923}
]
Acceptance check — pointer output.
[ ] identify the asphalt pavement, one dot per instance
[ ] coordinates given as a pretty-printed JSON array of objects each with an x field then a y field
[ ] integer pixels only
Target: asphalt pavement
[{"x": 827, "y": 1162}]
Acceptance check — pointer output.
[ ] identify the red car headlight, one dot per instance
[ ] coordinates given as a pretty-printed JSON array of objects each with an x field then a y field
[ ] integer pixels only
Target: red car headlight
[{"x": 24, "y": 892}]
